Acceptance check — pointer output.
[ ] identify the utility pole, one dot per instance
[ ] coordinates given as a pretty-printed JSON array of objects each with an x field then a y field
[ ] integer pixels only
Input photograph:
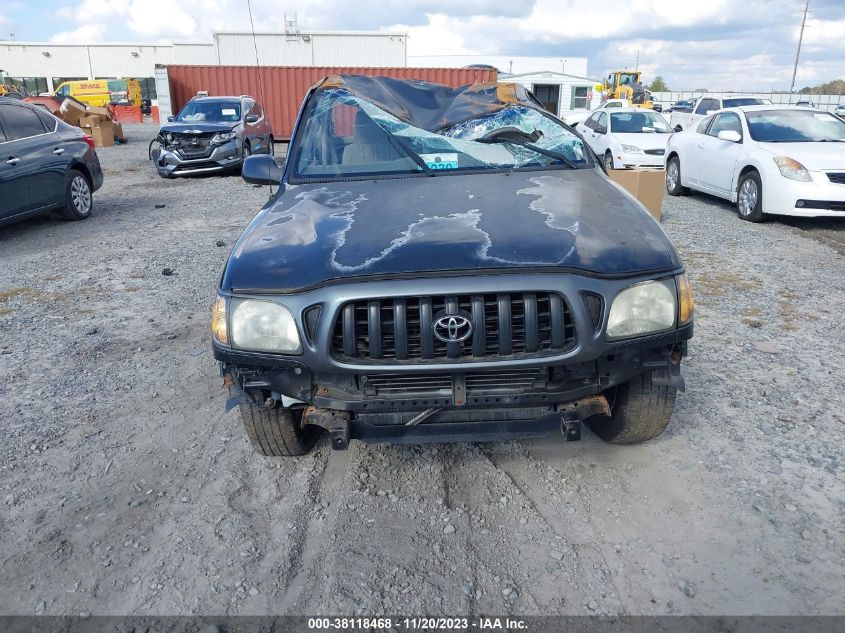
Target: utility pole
[
  {"x": 637, "y": 66},
  {"x": 798, "y": 52}
]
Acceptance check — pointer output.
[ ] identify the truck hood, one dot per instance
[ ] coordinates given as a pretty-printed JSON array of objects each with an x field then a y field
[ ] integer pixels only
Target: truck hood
[
  {"x": 814, "y": 156},
  {"x": 574, "y": 220},
  {"x": 198, "y": 127}
]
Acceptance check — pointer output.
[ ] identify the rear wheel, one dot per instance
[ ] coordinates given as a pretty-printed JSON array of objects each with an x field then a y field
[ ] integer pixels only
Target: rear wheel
[
  {"x": 673, "y": 178},
  {"x": 277, "y": 432},
  {"x": 640, "y": 411},
  {"x": 749, "y": 198},
  {"x": 79, "y": 200}
]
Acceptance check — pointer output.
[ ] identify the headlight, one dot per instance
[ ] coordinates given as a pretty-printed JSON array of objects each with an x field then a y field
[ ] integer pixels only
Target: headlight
[
  {"x": 631, "y": 149},
  {"x": 792, "y": 169},
  {"x": 219, "y": 328},
  {"x": 264, "y": 326},
  {"x": 642, "y": 309},
  {"x": 222, "y": 137}
]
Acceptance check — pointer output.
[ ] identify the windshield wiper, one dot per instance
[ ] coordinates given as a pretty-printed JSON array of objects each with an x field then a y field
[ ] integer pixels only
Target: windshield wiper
[
  {"x": 831, "y": 140},
  {"x": 412, "y": 154},
  {"x": 515, "y": 136}
]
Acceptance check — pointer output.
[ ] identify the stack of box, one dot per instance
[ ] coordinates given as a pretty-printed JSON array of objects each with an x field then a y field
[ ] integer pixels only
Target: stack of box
[{"x": 95, "y": 121}]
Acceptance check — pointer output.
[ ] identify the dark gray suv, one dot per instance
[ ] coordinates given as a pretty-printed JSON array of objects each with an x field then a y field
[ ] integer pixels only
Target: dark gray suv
[
  {"x": 45, "y": 164},
  {"x": 212, "y": 134}
]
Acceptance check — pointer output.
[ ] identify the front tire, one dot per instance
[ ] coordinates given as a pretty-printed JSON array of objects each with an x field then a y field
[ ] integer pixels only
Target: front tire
[
  {"x": 608, "y": 161},
  {"x": 277, "y": 432},
  {"x": 641, "y": 411},
  {"x": 749, "y": 197},
  {"x": 673, "y": 178},
  {"x": 79, "y": 200}
]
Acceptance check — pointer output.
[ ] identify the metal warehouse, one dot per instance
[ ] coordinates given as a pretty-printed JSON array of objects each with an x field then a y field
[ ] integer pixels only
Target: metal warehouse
[{"x": 42, "y": 66}]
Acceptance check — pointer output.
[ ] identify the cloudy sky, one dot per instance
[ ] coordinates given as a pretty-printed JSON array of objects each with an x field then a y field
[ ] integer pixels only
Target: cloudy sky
[{"x": 712, "y": 44}]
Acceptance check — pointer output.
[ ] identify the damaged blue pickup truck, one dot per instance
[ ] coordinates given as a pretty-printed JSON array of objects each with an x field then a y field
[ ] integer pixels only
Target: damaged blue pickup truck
[{"x": 446, "y": 264}]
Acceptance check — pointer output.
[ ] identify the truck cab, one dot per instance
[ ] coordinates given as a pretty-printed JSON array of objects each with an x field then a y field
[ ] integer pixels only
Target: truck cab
[{"x": 682, "y": 120}]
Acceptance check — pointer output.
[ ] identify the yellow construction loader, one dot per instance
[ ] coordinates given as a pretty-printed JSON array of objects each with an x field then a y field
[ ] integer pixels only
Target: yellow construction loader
[{"x": 625, "y": 84}]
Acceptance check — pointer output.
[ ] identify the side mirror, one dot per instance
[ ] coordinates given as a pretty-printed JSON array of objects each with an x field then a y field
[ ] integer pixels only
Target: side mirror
[
  {"x": 251, "y": 118},
  {"x": 171, "y": 118},
  {"x": 261, "y": 169},
  {"x": 731, "y": 136}
]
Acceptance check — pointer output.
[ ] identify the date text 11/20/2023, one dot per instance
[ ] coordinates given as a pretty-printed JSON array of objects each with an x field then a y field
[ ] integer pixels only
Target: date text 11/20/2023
[{"x": 417, "y": 624}]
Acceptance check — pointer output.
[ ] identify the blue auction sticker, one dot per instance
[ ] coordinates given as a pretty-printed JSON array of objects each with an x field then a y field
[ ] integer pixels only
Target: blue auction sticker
[{"x": 440, "y": 161}]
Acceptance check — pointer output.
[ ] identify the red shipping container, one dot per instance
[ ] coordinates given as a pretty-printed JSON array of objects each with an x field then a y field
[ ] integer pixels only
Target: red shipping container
[{"x": 284, "y": 87}]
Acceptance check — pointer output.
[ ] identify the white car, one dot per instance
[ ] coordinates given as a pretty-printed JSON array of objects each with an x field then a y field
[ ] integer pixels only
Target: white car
[
  {"x": 627, "y": 137},
  {"x": 783, "y": 160}
]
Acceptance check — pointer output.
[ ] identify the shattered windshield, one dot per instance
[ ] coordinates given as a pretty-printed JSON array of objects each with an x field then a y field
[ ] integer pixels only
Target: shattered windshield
[{"x": 347, "y": 136}]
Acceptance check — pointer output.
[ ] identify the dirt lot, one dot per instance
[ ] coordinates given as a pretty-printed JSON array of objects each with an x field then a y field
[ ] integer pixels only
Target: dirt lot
[{"x": 126, "y": 489}]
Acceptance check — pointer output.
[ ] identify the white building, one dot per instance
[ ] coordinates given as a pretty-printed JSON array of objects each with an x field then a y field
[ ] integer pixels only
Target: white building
[
  {"x": 510, "y": 64},
  {"x": 559, "y": 92},
  {"x": 42, "y": 66}
]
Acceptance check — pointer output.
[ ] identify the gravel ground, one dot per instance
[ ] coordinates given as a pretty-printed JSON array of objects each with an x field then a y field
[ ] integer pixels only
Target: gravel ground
[{"x": 126, "y": 489}]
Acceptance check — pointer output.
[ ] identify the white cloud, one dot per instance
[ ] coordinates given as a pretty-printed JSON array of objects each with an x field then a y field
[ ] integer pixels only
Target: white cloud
[
  {"x": 81, "y": 35},
  {"x": 161, "y": 17}
]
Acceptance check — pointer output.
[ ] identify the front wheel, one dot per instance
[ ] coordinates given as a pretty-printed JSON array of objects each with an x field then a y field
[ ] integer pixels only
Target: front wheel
[
  {"x": 608, "y": 161},
  {"x": 278, "y": 432},
  {"x": 640, "y": 411},
  {"x": 749, "y": 198},
  {"x": 271, "y": 147}
]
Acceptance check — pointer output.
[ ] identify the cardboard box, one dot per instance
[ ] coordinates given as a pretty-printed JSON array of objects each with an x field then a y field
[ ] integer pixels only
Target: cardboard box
[
  {"x": 71, "y": 111},
  {"x": 103, "y": 134},
  {"x": 646, "y": 185},
  {"x": 88, "y": 121},
  {"x": 96, "y": 111},
  {"x": 118, "y": 132}
]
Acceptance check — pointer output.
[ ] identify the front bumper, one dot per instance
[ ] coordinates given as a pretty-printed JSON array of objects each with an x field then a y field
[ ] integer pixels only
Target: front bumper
[
  {"x": 506, "y": 390},
  {"x": 818, "y": 198},
  {"x": 640, "y": 160},
  {"x": 220, "y": 158}
]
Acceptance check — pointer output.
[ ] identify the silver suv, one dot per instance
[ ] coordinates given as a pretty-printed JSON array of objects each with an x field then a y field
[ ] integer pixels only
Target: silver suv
[{"x": 212, "y": 134}]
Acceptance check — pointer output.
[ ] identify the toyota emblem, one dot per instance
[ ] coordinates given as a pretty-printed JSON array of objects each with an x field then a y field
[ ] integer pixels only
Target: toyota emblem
[{"x": 452, "y": 328}]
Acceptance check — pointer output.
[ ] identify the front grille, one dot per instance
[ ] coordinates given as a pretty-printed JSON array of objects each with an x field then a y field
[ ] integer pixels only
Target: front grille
[
  {"x": 503, "y": 325},
  {"x": 655, "y": 152},
  {"x": 193, "y": 166},
  {"x": 499, "y": 381},
  {"x": 837, "y": 177}
]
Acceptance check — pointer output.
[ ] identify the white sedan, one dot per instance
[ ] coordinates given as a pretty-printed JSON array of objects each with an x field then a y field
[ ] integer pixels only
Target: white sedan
[
  {"x": 783, "y": 160},
  {"x": 627, "y": 137}
]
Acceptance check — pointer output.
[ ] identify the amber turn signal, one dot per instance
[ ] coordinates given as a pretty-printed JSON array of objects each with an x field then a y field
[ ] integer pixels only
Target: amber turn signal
[
  {"x": 218, "y": 321},
  {"x": 686, "y": 301}
]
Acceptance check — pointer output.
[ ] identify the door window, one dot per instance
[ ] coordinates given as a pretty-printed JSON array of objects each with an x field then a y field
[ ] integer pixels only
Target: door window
[
  {"x": 46, "y": 118},
  {"x": 707, "y": 104},
  {"x": 726, "y": 121},
  {"x": 257, "y": 111},
  {"x": 20, "y": 122},
  {"x": 702, "y": 127},
  {"x": 601, "y": 124}
]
